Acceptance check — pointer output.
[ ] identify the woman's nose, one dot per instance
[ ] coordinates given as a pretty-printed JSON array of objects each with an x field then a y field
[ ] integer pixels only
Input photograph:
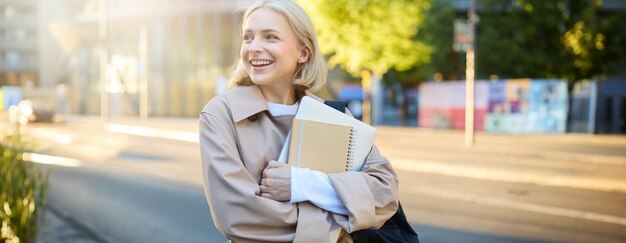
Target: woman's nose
[{"x": 255, "y": 45}]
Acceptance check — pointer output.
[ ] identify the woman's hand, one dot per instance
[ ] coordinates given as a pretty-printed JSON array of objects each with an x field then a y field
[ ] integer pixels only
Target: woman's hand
[
  {"x": 276, "y": 181},
  {"x": 344, "y": 237}
]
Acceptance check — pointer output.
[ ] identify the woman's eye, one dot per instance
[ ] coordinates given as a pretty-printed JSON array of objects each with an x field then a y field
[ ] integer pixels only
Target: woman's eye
[
  {"x": 272, "y": 37},
  {"x": 247, "y": 38}
]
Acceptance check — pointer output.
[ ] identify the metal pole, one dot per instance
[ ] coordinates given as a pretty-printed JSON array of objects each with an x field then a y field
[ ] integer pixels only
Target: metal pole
[
  {"x": 144, "y": 105},
  {"x": 593, "y": 99},
  {"x": 469, "y": 75},
  {"x": 104, "y": 58}
]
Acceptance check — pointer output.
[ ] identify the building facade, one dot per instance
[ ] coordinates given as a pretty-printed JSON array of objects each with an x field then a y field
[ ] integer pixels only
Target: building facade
[
  {"x": 121, "y": 58},
  {"x": 19, "y": 50}
]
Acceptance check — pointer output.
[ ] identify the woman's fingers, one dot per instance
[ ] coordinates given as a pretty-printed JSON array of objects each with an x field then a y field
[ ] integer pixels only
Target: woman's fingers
[
  {"x": 275, "y": 164},
  {"x": 276, "y": 182}
]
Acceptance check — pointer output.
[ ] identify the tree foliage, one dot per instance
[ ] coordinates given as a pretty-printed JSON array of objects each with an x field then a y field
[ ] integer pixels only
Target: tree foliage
[
  {"x": 370, "y": 35},
  {"x": 436, "y": 32},
  {"x": 569, "y": 39},
  {"x": 411, "y": 40}
]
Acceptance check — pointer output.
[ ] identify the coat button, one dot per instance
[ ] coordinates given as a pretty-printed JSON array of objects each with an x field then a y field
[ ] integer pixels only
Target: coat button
[{"x": 253, "y": 118}]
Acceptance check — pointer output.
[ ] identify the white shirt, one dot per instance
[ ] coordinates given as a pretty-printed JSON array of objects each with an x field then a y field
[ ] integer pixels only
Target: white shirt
[
  {"x": 283, "y": 110},
  {"x": 306, "y": 184}
]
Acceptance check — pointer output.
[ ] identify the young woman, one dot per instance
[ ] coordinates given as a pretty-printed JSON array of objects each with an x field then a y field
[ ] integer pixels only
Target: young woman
[{"x": 254, "y": 198}]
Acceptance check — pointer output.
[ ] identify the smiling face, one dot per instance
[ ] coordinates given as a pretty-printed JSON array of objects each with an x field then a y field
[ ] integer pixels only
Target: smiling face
[{"x": 270, "y": 51}]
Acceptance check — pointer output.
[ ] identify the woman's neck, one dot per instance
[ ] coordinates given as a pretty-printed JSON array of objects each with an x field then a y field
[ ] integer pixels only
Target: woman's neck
[{"x": 279, "y": 95}]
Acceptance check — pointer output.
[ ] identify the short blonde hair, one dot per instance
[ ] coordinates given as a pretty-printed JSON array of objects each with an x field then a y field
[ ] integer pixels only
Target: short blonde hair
[{"x": 310, "y": 75}]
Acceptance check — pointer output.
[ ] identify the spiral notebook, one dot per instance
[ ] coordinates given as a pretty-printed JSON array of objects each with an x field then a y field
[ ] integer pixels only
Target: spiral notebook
[
  {"x": 316, "y": 111},
  {"x": 321, "y": 146}
]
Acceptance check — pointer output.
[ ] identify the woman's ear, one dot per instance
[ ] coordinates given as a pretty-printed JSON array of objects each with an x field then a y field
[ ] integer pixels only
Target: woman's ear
[{"x": 304, "y": 55}]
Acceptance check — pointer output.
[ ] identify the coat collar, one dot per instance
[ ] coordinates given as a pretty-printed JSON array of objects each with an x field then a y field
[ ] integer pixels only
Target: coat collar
[{"x": 245, "y": 101}]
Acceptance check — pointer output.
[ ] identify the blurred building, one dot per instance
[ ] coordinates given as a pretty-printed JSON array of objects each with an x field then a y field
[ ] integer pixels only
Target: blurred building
[
  {"x": 123, "y": 58},
  {"x": 19, "y": 45},
  {"x": 163, "y": 57}
]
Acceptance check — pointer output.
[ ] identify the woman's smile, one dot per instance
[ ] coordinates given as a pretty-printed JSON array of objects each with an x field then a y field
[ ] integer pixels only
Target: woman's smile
[{"x": 260, "y": 64}]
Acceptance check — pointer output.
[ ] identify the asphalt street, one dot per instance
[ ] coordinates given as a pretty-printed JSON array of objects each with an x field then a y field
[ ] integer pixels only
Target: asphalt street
[{"x": 129, "y": 186}]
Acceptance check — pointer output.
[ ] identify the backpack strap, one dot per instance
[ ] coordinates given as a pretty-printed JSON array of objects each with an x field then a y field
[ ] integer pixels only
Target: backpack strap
[{"x": 339, "y": 105}]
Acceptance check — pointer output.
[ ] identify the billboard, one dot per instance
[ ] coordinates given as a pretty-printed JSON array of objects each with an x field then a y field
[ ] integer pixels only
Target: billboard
[
  {"x": 510, "y": 106},
  {"x": 547, "y": 110},
  {"x": 442, "y": 105}
]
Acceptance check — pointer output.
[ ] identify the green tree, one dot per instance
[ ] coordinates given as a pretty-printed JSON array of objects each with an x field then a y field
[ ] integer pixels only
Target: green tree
[
  {"x": 436, "y": 32},
  {"x": 568, "y": 39},
  {"x": 369, "y": 37}
]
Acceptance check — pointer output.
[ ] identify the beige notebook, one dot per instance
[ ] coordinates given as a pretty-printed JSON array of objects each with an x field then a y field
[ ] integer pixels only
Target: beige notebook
[
  {"x": 321, "y": 146},
  {"x": 313, "y": 110}
]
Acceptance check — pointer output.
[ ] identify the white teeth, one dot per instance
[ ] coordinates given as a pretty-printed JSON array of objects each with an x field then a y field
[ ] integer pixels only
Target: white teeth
[{"x": 260, "y": 62}]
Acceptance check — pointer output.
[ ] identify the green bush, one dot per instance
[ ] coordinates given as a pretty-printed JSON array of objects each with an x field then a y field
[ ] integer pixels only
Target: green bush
[{"x": 22, "y": 192}]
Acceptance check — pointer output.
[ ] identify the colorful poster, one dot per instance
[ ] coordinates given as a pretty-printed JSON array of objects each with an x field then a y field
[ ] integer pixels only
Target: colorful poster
[
  {"x": 496, "y": 118},
  {"x": 510, "y": 106},
  {"x": 547, "y": 106},
  {"x": 481, "y": 104},
  {"x": 497, "y": 95},
  {"x": 442, "y": 105},
  {"x": 516, "y": 104},
  {"x": 516, "y": 101}
]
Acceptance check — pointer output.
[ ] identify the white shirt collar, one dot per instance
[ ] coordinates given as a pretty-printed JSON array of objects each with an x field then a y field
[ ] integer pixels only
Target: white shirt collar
[{"x": 283, "y": 110}]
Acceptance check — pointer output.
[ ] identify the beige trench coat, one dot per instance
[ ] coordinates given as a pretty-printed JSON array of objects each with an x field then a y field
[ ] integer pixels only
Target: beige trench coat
[{"x": 238, "y": 137}]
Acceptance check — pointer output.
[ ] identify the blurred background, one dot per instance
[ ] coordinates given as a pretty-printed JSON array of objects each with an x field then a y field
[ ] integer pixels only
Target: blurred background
[{"x": 505, "y": 119}]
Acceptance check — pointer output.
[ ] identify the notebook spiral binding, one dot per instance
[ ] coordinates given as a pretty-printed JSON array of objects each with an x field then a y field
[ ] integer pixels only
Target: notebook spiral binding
[{"x": 351, "y": 148}]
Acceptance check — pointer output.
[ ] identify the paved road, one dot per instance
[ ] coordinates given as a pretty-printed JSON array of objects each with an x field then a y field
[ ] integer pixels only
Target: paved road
[
  {"x": 127, "y": 207},
  {"x": 131, "y": 188},
  {"x": 122, "y": 207}
]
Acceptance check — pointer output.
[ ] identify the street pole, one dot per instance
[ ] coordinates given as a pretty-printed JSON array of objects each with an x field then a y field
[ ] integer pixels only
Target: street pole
[
  {"x": 144, "y": 101},
  {"x": 104, "y": 59},
  {"x": 469, "y": 75},
  {"x": 366, "y": 82}
]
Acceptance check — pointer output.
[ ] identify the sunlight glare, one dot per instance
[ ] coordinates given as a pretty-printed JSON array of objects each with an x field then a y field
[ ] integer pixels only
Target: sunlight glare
[{"x": 50, "y": 160}]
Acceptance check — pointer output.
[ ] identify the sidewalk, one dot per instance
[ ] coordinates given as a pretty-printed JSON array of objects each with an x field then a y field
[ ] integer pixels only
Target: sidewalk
[{"x": 58, "y": 229}]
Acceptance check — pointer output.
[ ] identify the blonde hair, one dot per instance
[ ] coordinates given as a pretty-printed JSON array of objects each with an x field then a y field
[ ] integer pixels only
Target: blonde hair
[{"x": 310, "y": 75}]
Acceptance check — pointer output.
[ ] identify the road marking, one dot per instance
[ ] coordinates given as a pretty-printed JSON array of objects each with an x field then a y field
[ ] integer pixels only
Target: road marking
[
  {"x": 153, "y": 132},
  {"x": 517, "y": 176},
  {"x": 50, "y": 160},
  {"x": 54, "y": 136},
  {"x": 531, "y": 207}
]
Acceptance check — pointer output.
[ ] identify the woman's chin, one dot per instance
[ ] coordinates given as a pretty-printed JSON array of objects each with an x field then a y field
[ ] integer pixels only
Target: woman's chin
[
  {"x": 260, "y": 82},
  {"x": 263, "y": 81},
  {"x": 270, "y": 80}
]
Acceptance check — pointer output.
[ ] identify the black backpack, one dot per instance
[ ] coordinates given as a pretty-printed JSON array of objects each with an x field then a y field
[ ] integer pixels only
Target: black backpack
[{"x": 396, "y": 228}]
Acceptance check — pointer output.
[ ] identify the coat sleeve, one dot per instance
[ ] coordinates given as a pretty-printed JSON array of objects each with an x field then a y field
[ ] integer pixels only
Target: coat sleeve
[
  {"x": 371, "y": 195},
  {"x": 238, "y": 210}
]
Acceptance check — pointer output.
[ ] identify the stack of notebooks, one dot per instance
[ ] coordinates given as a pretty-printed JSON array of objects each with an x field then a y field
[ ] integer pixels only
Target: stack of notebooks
[{"x": 327, "y": 140}]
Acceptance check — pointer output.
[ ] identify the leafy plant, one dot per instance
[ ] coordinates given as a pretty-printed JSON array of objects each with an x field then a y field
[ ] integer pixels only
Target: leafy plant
[{"x": 22, "y": 192}]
